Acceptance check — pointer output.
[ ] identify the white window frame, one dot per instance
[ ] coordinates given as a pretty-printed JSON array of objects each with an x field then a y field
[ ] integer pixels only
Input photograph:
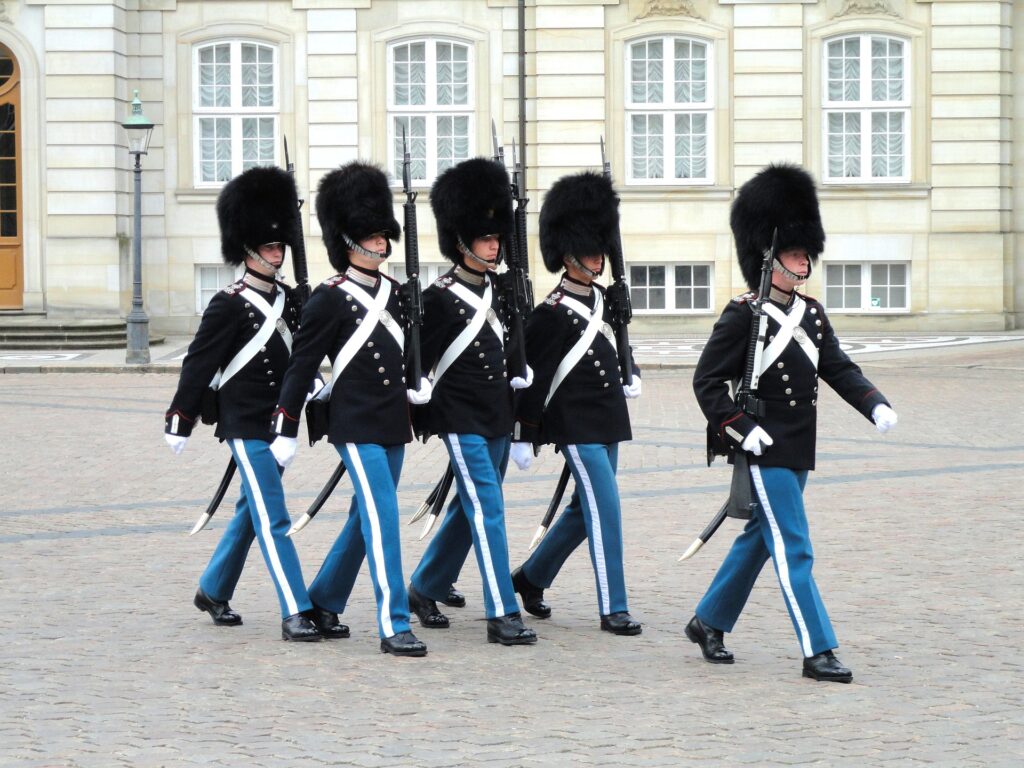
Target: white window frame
[
  {"x": 670, "y": 287},
  {"x": 431, "y": 110},
  {"x": 224, "y": 271},
  {"x": 235, "y": 112},
  {"x": 669, "y": 110},
  {"x": 866, "y": 107},
  {"x": 865, "y": 287},
  {"x": 429, "y": 270}
]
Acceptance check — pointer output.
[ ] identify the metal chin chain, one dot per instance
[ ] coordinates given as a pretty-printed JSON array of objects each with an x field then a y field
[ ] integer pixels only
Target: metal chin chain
[
  {"x": 468, "y": 253},
  {"x": 789, "y": 275},
  {"x": 260, "y": 260},
  {"x": 353, "y": 246},
  {"x": 588, "y": 272}
]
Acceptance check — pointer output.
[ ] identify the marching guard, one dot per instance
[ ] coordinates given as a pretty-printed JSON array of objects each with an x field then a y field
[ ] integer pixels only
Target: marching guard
[
  {"x": 357, "y": 319},
  {"x": 799, "y": 349},
  {"x": 470, "y": 409},
  {"x": 236, "y": 362},
  {"x": 578, "y": 399}
]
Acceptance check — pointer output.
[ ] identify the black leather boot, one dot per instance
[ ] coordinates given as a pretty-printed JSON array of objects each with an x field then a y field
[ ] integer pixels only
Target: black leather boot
[
  {"x": 219, "y": 610},
  {"x": 327, "y": 624},
  {"x": 825, "y": 666},
  {"x": 533, "y": 596},
  {"x": 510, "y": 630},
  {"x": 403, "y": 644},
  {"x": 454, "y": 599},
  {"x": 299, "y": 628},
  {"x": 426, "y": 610},
  {"x": 710, "y": 641},
  {"x": 621, "y": 623}
]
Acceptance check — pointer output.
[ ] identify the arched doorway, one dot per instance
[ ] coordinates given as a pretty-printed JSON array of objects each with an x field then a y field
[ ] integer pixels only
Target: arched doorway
[{"x": 12, "y": 267}]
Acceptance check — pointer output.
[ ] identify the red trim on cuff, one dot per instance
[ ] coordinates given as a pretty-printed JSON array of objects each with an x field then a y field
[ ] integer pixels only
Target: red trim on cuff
[
  {"x": 171, "y": 414},
  {"x": 285, "y": 413}
]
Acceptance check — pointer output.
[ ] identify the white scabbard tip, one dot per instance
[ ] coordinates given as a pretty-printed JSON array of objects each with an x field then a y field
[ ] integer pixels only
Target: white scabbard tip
[
  {"x": 540, "y": 533},
  {"x": 419, "y": 513},
  {"x": 429, "y": 526},
  {"x": 302, "y": 523},
  {"x": 200, "y": 523},
  {"x": 697, "y": 544}
]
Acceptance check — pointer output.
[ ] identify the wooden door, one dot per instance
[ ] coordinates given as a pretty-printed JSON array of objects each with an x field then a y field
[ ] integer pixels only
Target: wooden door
[{"x": 12, "y": 262}]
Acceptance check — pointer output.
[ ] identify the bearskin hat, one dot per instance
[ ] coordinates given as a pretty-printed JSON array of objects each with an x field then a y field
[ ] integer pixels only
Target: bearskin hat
[
  {"x": 470, "y": 200},
  {"x": 257, "y": 206},
  {"x": 781, "y": 196},
  {"x": 579, "y": 217},
  {"x": 354, "y": 200}
]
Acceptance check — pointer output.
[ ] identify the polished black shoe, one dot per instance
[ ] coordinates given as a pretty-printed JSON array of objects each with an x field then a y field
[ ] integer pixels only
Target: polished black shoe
[
  {"x": 327, "y": 623},
  {"x": 403, "y": 644},
  {"x": 621, "y": 623},
  {"x": 510, "y": 630},
  {"x": 533, "y": 596},
  {"x": 710, "y": 641},
  {"x": 426, "y": 610},
  {"x": 454, "y": 599},
  {"x": 825, "y": 666},
  {"x": 218, "y": 609},
  {"x": 299, "y": 628}
]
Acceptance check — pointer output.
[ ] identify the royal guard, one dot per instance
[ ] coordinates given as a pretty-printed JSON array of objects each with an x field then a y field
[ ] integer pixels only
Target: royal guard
[
  {"x": 356, "y": 319},
  {"x": 464, "y": 344},
  {"x": 578, "y": 400},
  {"x": 236, "y": 363},
  {"x": 778, "y": 440}
]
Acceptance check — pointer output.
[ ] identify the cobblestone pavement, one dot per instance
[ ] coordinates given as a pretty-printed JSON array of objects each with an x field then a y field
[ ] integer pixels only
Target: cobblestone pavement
[{"x": 104, "y": 661}]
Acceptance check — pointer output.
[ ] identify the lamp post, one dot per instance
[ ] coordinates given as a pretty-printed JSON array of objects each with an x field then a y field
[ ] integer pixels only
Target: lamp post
[{"x": 139, "y": 130}]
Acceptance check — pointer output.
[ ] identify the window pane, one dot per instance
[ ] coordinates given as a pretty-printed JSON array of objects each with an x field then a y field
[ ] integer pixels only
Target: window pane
[
  {"x": 691, "y": 146},
  {"x": 656, "y": 275},
  {"x": 886, "y": 144},
  {"x": 844, "y": 70},
  {"x": 647, "y": 145},
  {"x": 886, "y": 69},
  {"x": 215, "y": 148},
  {"x": 257, "y": 76},
  {"x": 638, "y": 277},
  {"x": 647, "y": 72},
  {"x": 701, "y": 298},
  {"x": 656, "y": 298},
  {"x": 410, "y": 74},
  {"x": 215, "y": 75},
  {"x": 690, "y": 72},
  {"x": 684, "y": 298},
  {"x": 843, "y": 144},
  {"x": 834, "y": 298},
  {"x": 452, "y": 140},
  {"x": 257, "y": 141}
]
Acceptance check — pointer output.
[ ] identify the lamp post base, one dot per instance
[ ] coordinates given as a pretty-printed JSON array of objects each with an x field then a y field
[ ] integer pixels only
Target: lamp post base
[{"x": 138, "y": 340}]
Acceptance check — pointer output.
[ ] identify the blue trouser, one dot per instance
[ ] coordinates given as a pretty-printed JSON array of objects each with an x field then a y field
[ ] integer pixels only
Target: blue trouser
[
  {"x": 260, "y": 513},
  {"x": 778, "y": 530},
  {"x": 478, "y": 521},
  {"x": 371, "y": 532},
  {"x": 593, "y": 513}
]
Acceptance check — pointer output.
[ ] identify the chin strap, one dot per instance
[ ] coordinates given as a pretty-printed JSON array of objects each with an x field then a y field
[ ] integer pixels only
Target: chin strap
[
  {"x": 260, "y": 260},
  {"x": 777, "y": 267},
  {"x": 468, "y": 253},
  {"x": 353, "y": 246},
  {"x": 575, "y": 263}
]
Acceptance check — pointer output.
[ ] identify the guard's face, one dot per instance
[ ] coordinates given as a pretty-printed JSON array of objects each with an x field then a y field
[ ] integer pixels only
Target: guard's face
[
  {"x": 376, "y": 243},
  {"x": 795, "y": 260},
  {"x": 486, "y": 248},
  {"x": 593, "y": 262},
  {"x": 272, "y": 253}
]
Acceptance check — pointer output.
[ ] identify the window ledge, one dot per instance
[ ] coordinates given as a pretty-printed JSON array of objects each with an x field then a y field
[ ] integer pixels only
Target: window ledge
[
  {"x": 670, "y": 191},
  {"x": 827, "y": 191},
  {"x": 203, "y": 196}
]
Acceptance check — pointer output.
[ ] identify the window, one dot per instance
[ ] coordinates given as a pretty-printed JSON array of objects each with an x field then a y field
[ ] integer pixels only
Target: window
[
  {"x": 430, "y": 99},
  {"x": 670, "y": 287},
  {"x": 235, "y": 109},
  {"x": 669, "y": 111},
  {"x": 866, "y": 109},
  {"x": 867, "y": 286},
  {"x": 428, "y": 272},
  {"x": 210, "y": 278}
]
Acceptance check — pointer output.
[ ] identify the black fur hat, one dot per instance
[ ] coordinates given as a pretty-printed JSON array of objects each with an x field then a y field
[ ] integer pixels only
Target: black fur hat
[
  {"x": 354, "y": 200},
  {"x": 780, "y": 196},
  {"x": 580, "y": 217},
  {"x": 257, "y": 206},
  {"x": 470, "y": 200}
]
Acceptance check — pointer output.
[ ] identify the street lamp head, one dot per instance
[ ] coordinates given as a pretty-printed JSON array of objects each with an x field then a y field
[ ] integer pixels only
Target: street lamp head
[{"x": 139, "y": 128}]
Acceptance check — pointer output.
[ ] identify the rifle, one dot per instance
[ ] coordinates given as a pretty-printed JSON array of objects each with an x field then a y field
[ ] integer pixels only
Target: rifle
[
  {"x": 411, "y": 294},
  {"x": 302, "y": 288},
  {"x": 620, "y": 308},
  {"x": 740, "y": 504}
]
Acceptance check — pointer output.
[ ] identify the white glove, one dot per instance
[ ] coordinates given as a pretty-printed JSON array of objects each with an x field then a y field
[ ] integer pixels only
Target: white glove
[
  {"x": 177, "y": 442},
  {"x": 318, "y": 384},
  {"x": 885, "y": 418},
  {"x": 518, "y": 382},
  {"x": 632, "y": 391},
  {"x": 283, "y": 449},
  {"x": 757, "y": 441},
  {"x": 521, "y": 454},
  {"x": 420, "y": 396}
]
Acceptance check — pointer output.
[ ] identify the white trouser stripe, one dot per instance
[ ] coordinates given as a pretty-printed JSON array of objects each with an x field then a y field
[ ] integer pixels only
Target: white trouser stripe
[
  {"x": 478, "y": 524},
  {"x": 595, "y": 527},
  {"x": 356, "y": 465},
  {"x": 780, "y": 560},
  {"x": 268, "y": 538}
]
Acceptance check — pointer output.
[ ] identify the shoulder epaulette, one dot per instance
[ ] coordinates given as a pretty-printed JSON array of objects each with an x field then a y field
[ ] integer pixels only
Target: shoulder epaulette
[
  {"x": 330, "y": 282},
  {"x": 234, "y": 288},
  {"x": 554, "y": 298},
  {"x": 743, "y": 298},
  {"x": 443, "y": 282}
]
